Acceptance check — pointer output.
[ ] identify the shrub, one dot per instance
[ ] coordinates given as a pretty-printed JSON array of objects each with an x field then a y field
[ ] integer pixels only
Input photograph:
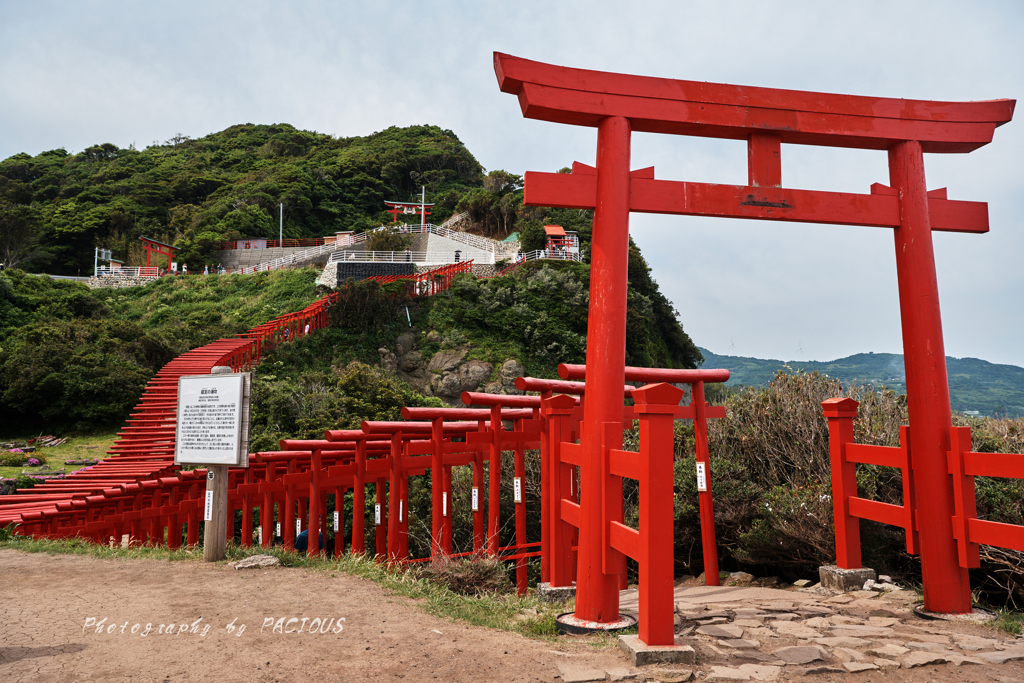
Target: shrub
[{"x": 478, "y": 575}]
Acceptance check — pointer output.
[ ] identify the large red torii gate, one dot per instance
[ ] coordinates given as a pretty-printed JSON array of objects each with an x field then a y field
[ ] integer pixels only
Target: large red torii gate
[{"x": 617, "y": 105}]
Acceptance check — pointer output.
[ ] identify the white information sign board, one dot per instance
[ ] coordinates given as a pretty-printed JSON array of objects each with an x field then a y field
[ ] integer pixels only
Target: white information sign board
[
  {"x": 517, "y": 490},
  {"x": 213, "y": 420},
  {"x": 702, "y": 477},
  {"x": 476, "y": 499}
]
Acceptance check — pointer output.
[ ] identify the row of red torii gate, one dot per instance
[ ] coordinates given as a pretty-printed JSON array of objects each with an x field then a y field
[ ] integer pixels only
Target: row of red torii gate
[{"x": 582, "y": 511}]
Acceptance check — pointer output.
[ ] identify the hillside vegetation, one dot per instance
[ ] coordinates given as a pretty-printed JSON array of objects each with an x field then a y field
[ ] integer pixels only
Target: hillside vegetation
[
  {"x": 990, "y": 389},
  {"x": 57, "y": 206},
  {"x": 78, "y": 358}
]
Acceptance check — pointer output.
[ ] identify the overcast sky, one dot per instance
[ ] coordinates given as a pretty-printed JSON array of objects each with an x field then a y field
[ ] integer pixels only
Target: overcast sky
[{"x": 74, "y": 74}]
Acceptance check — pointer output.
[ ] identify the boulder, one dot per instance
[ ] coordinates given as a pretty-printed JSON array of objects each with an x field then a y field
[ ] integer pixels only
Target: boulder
[{"x": 410, "y": 362}]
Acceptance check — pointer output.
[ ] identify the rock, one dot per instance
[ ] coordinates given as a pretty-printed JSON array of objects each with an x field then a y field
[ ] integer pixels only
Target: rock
[
  {"x": 862, "y": 631},
  {"x": 868, "y": 585},
  {"x": 887, "y": 650},
  {"x": 817, "y": 622},
  {"x": 916, "y": 659},
  {"x": 802, "y": 583},
  {"x": 257, "y": 561},
  {"x": 577, "y": 673},
  {"x": 748, "y": 623},
  {"x": 672, "y": 675},
  {"x": 510, "y": 370},
  {"x": 725, "y": 673},
  {"x": 388, "y": 360},
  {"x": 927, "y": 647},
  {"x": 472, "y": 374},
  {"x": 960, "y": 660},
  {"x": 405, "y": 342},
  {"x": 621, "y": 675},
  {"x": 975, "y": 643},
  {"x": 745, "y": 672},
  {"x": 446, "y": 361},
  {"x": 1007, "y": 655},
  {"x": 740, "y": 644},
  {"x": 882, "y": 613},
  {"x": 886, "y": 664},
  {"x": 713, "y": 620},
  {"x": 854, "y": 667},
  {"x": 760, "y": 672},
  {"x": 842, "y": 641},
  {"x": 794, "y": 630},
  {"x": 822, "y": 670},
  {"x": 800, "y": 654},
  {"x": 741, "y": 577},
  {"x": 782, "y": 617},
  {"x": 882, "y": 622},
  {"x": 844, "y": 580},
  {"x": 433, "y": 336},
  {"x": 411, "y": 361},
  {"x": 840, "y": 619},
  {"x": 926, "y": 638},
  {"x": 845, "y": 654},
  {"x": 725, "y": 631}
]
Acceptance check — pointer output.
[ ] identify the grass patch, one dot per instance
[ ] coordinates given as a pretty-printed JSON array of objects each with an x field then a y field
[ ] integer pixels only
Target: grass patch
[
  {"x": 1008, "y": 621},
  {"x": 86, "y": 446},
  {"x": 526, "y": 615}
]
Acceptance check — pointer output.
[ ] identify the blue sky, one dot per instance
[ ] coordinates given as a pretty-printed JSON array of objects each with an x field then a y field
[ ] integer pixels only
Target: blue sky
[{"x": 77, "y": 74}]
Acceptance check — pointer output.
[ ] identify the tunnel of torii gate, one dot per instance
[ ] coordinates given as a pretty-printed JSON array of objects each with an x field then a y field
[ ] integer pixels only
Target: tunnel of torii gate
[{"x": 619, "y": 104}]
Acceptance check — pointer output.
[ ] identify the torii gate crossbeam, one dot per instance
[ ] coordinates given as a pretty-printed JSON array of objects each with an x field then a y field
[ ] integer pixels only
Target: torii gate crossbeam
[{"x": 617, "y": 105}]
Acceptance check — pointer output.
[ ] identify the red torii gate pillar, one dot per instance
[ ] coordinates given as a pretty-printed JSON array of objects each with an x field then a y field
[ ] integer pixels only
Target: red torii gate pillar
[{"x": 617, "y": 104}]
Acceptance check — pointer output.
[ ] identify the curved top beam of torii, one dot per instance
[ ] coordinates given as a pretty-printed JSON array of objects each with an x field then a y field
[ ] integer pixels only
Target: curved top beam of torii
[
  {"x": 765, "y": 117},
  {"x": 664, "y": 105}
]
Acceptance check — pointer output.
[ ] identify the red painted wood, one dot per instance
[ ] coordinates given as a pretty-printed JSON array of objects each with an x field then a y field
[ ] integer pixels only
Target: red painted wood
[
  {"x": 662, "y": 105},
  {"x": 947, "y": 587},
  {"x": 876, "y": 210},
  {"x": 840, "y": 413}
]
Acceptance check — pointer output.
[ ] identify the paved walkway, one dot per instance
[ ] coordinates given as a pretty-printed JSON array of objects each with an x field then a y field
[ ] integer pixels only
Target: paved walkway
[{"x": 748, "y": 633}]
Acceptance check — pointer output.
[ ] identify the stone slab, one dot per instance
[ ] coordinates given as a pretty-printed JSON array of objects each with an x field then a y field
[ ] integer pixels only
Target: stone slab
[
  {"x": 549, "y": 593},
  {"x": 1006, "y": 655},
  {"x": 621, "y": 674},
  {"x": 577, "y": 673},
  {"x": 854, "y": 667},
  {"x": 727, "y": 631},
  {"x": 642, "y": 654},
  {"x": 916, "y": 659},
  {"x": 740, "y": 644},
  {"x": 844, "y": 580},
  {"x": 800, "y": 654},
  {"x": 670, "y": 675}
]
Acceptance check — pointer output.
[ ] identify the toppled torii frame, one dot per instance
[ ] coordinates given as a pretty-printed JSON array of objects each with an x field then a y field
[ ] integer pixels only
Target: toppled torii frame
[{"x": 617, "y": 105}]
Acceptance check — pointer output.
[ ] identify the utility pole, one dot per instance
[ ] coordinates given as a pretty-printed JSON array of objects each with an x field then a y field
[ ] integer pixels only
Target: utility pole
[
  {"x": 280, "y": 234},
  {"x": 423, "y": 208}
]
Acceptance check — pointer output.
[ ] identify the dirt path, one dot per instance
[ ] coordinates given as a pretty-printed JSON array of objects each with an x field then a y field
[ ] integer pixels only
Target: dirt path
[
  {"x": 287, "y": 624},
  {"x": 50, "y": 598}
]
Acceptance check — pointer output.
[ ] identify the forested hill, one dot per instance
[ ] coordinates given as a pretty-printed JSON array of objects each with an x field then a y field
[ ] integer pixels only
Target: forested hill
[
  {"x": 974, "y": 384},
  {"x": 56, "y": 207}
]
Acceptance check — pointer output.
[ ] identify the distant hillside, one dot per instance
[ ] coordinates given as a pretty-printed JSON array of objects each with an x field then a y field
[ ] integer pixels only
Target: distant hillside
[{"x": 974, "y": 384}]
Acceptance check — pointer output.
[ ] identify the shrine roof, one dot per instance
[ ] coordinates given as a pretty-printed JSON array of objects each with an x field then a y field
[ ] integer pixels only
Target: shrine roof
[
  {"x": 663, "y": 105},
  {"x": 555, "y": 230},
  {"x": 162, "y": 244}
]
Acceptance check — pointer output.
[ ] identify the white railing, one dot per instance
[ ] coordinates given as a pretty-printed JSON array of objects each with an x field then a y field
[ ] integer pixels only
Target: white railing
[
  {"x": 418, "y": 257},
  {"x": 555, "y": 254},
  {"x": 290, "y": 259},
  {"x": 482, "y": 243},
  {"x": 144, "y": 271}
]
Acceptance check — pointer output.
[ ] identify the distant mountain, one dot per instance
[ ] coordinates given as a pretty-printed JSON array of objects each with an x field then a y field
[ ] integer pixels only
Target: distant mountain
[{"x": 974, "y": 384}]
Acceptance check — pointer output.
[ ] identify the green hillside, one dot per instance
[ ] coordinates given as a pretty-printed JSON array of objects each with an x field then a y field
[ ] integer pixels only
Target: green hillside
[
  {"x": 57, "y": 206},
  {"x": 974, "y": 385}
]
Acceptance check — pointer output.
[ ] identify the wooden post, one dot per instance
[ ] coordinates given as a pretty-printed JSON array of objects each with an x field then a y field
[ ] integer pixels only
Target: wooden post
[{"x": 216, "y": 510}]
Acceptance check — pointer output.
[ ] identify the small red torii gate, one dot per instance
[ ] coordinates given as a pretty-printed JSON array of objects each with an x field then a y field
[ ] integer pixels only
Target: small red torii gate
[{"x": 619, "y": 104}]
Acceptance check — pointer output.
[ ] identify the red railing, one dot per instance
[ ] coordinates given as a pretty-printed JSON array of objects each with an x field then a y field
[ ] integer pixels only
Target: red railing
[
  {"x": 429, "y": 282},
  {"x": 144, "y": 449}
]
